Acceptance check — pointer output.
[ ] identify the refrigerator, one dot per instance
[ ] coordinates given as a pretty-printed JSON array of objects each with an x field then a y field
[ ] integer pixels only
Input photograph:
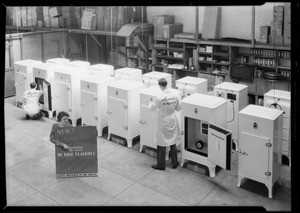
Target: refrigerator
[
  {"x": 67, "y": 91},
  {"x": 23, "y": 77},
  {"x": 190, "y": 85},
  {"x": 123, "y": 109},
  {"x": 259, "y": 153},
  {"x": 205, "y": 139},
  {"x": 151, "y": 78},
  {"x": 79, "y": 64},
  {"x": 280, "y": 99},
  {"x": 43, "y": 75},
  {"x": 148, "y": 119},
  {"x": 58, "y": 60},
  {"x": 128, "y": 73},
  {"x": 94, "y": 101},
  {"x": 237, "y": 99},
  {"x": 104, "y": 70}
]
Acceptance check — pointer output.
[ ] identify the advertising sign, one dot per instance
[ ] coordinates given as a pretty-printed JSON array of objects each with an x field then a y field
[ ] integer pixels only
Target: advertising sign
[{"x": 80, "y": 160}]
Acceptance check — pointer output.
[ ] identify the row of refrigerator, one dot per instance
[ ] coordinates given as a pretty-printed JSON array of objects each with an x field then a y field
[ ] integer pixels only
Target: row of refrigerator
[{"x": 210, "y": 124}]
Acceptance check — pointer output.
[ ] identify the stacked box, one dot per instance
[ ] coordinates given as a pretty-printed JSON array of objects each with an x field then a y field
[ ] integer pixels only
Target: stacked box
[
  {"x": 100, "y": 18},
  {"x": 264, "y": 34},
  {"x": 170, "y": 29},
  {"x": 39, "y": 13},
  {"x": 287, "y": 24},
  {"x": 55, "y": 11},
  {"x": 54, "y": 22},
  {"x": 61, "y": 22},
  {"x": 88, "y": 19},
  {"x": 17, "y": 19},
  {"x": 278, "y": 13},
  {"x": 121, "y": 17},
  {"x": 24, "y": 16},
  {"x": 159, "y": 21},
  {"x": 65, "y": 12}
]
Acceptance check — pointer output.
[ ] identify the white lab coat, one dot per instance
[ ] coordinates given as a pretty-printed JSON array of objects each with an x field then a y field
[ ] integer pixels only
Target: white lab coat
[
  {"x": 167, "y": 128},
  {"x": 31, "y": 101}
]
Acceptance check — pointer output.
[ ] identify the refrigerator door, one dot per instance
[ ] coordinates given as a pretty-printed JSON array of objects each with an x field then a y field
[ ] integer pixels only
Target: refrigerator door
[
  {"x": 21, "y": 85},
  {"x": 219, "y": 146},
  {"x": 117, "y": 119},
  {"x": 47, "y": 95},
  {"x": 89, "y": 106},
  {"x": 253, "y": 157},
  {"x": 63, "y": 96},
  {"x": 148, "y": 122}
]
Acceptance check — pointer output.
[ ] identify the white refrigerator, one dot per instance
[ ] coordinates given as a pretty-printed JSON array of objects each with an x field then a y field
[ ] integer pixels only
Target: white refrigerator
[
  {"x": 280, "y": 99},
  {"x": 94, "y": 101},
  {"x": 190, "y": 85},
  {"x": 259, "y": 153},
  {"x": 148, "y": 119},
  {"x": 58, "y": 61},
  {"x": 23, "y": 77},
  {"x": 67, "y": 91},
  {"x": 128, "y": 73},
  {"x": 104, "y": 70},
  {"x": 237, "y": 99},
  {"x": 151, "y": 78},
  {"x": 123, "y": 109},
  {"x": 205, "y": 139}
]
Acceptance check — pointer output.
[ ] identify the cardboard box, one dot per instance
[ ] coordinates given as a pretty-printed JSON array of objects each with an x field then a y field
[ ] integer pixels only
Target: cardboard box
[
  {"x": 45, "y": 11},
  {"x": 170, "y": 29},
  {"x": 287, "y": 37},
  {"x": 276, "y": 28},
  {"x": 264, "y": 31},
  {"x": 287, "y": 11},
  {"x": 278, "y": 16},
  {"x": 159, "y": 21},
  {"x": 264, "y": 39},
  {"x": 278, "y": 8},
  {"x": 276, "y": 39},
  {"x": 287, "y": 26}
]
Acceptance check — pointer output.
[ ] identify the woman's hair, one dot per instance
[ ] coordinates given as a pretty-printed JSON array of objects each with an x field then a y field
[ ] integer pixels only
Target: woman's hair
[
  {"x": 62, "y": 114},
  {"x": 162, "y": 82},
  {"x": 32, "y": 85}
]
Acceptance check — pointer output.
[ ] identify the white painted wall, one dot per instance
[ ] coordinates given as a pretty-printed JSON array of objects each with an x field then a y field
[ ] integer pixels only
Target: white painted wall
[{"x": 236, "y": 21}]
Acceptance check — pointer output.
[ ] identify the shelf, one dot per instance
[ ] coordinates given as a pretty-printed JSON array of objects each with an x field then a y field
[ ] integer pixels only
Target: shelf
[
  {"x": 211, "y": 73},
  {"x": 225, "y": 54},
  {"x": 284, "y": 67},
  {"x": 170, "y": 48},
  {"x": 222, "y": 64},
  {"x": 158, "y": 65},
  {"x": 205, "y": 62},
  {"x": 169, "y": 57},
  {"x": 204, "y": 53}
]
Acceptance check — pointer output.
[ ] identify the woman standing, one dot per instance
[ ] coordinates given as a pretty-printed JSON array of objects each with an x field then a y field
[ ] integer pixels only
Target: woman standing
[{"x": 63, "y": 121}]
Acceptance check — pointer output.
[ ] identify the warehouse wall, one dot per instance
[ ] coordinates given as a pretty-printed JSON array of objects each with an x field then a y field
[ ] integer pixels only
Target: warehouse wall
[{"x": 236, "y": 21}]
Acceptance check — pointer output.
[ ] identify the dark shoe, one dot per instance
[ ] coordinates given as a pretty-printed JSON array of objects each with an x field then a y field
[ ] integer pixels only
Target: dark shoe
[
  {"x": 27, "y": 117},
  {"x": 156, "y": 167},
  {"x": 175, "y": 166}
]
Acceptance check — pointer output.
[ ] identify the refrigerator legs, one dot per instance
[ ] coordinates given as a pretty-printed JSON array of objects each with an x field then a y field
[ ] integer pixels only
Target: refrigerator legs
[
  {"x": 108, "y": 137},
  {"x": 212, "y": 171},
  {"x": 141, "y": 147},
  {"x": 129, "y": 143},
  {"x": 239, "y": 180},
  {"x": 182, "y": 162},
  {"x": 270, "y": 190}
]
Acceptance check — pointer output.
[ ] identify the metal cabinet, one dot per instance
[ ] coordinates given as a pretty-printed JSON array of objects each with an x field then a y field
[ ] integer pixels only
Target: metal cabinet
[
  {"x": 203, "y": 128},
  {"x": 237, "y": 99},
  {"x": 128, "y": 73},
  {"x": 280, "y": 99},
  {"x": 58, "y": 60},
  {"x": 259, "y": 152},
  {"x": 94, "y": 101},
  {"x": 190, "y": 85},
  {"x": 23, "y": 77},
  {"x": 151, "y": 78},
  {"x": 148, "y": 119},
  {"x": 43, "y": 75},
  {"x": 123, "y": 109},
  {"x": 104, "y": 70},
  {"x": 67, "y": 91}
]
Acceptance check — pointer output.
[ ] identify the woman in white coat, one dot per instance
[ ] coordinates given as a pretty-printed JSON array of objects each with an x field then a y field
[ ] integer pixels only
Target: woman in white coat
[{"x": 167, "y": 132}]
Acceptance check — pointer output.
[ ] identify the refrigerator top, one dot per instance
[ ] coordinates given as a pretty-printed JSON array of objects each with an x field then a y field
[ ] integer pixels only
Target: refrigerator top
[
  {"x": 191, "y": 80},
  {"x": 230, "y": 86},
  {"x": 126, "y": 84},
  {"x": 158, "y": 75},
  {"x": 97, "y": 79},
  {"x": 203, "y": 100},
  {"x": 46, "y": 66},
  {"x": 155, "y": 90},
  {"x": 28, "y": 62},
  {"x": 128, "y": 70},
  {"x": 281, "y": 94},
  {"x": 58, "y": 60},
  {"x": 261, "y": 112},
  {"x": 102, "y": 66}
]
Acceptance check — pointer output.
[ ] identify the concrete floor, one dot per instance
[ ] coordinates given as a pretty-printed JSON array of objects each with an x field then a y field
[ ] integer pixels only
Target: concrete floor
[{"x": 125, "y": 176}]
